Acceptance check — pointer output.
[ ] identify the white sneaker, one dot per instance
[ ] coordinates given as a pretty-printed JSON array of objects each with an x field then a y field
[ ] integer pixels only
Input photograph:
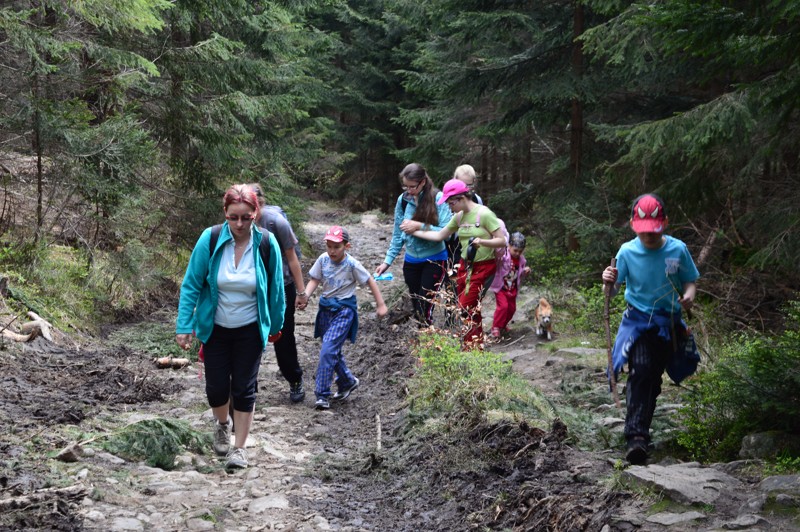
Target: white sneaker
[
  {"x": 237, "y": 459},
  {"x": 222, "y": 438}
]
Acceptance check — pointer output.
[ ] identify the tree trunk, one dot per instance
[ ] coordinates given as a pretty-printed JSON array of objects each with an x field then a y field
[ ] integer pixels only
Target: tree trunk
[{"x": 576, "y": 122}]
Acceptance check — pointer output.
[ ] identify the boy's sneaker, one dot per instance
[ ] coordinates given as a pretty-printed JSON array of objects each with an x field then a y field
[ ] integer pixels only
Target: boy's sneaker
[
  {"x": 297, "y": 392},
  {"x": 222, "y": 437},
  {"x": 637, "y": 451},
  {"x": 322, "y": 404},
  {"x": 344, "y": 393},
  {"x": 237, "y": 459}
]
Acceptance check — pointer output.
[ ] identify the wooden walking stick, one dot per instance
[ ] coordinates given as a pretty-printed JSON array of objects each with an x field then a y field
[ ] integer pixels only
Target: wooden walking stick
[{"x": 607, "y": 319}]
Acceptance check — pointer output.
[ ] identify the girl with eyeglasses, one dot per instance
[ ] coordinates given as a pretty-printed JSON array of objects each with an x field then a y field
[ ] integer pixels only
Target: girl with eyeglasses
[
  {"x": 234, "y": 303},
  {"x": 424, "y": 265}
]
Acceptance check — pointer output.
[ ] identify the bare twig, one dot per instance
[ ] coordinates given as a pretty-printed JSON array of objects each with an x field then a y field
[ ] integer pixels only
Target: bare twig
[{"x": 378, "y": 430}]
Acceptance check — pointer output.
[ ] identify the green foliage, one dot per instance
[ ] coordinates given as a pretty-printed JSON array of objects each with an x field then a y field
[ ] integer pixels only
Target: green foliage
[
  {"x": 587, "y": 309},
  {"x": 753, "y": 387},
  {"x": 157, "y": 441},
  {"x": 463, "y": 387},
  {"x": 153, "y": 339}
]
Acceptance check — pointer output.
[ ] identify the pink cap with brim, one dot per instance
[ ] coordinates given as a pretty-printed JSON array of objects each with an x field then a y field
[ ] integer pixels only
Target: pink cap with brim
[
  {"x": 647, "y": 215},
  {"x": 337, "y": 234},
  {"x": 454, "y": 187}
]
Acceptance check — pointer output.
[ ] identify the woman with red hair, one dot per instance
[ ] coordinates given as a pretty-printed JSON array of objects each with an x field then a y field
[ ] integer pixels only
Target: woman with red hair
[{"x": 234, "y": 303}]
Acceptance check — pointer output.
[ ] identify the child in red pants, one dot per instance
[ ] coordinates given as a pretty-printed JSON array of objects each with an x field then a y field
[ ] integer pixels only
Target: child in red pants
[{"x": 506, "y": 284}]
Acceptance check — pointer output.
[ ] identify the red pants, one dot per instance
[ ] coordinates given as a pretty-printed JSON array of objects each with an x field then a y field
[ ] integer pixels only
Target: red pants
[
  {"x": 470, "y": 285},
  {"x": 506, "y": 307}
]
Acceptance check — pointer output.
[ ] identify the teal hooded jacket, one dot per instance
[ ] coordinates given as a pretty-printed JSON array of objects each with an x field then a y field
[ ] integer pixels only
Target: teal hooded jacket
[{"x": 198, "y": 302}]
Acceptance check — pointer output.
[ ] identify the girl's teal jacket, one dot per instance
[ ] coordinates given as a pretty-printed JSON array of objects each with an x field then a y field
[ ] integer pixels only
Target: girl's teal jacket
[
  {"x": 415, "y": 247},
  {"x": 198, "y": 303}
]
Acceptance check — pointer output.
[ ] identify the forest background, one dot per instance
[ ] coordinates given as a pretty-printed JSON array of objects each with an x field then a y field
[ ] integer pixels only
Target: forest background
[{"x": 121, "y": 121}]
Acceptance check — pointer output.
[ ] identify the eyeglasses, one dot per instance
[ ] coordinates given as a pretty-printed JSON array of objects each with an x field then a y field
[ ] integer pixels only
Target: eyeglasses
[
  {"x": 245, "y": 218},
  {"x": 453, "y": 199},
  {"x": 412, "y": 188}
]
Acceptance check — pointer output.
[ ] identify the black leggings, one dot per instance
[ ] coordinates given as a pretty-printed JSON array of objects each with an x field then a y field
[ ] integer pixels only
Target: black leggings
[
  {"x": 423, "y": 280},
  {"x": 232, "y": 360},
  {"x": 286, "y": 347}
]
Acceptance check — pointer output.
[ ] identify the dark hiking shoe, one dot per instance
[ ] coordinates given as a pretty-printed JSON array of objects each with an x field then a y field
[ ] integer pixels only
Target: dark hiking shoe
[
  {"x": 637, "y": 451},
  {"x": 297, "y": 392},
  {"x": 344, "y": 393}
]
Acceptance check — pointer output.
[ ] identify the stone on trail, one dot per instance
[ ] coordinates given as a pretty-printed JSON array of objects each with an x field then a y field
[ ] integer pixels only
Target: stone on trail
[
  {"x": 686, "y": 483},
  {"x": 670, "y": 518}
]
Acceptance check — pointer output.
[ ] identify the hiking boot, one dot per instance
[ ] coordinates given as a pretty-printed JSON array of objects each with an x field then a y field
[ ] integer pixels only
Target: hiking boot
[
  {"x": 637, "y": 451},
  {"x": 297, "y": 392},
  {"x": 237, "y": 459},
  {"x": 344, "y": 393},
  {"x": 222, "y": 438},
  {"x": 322, "y": 404}
]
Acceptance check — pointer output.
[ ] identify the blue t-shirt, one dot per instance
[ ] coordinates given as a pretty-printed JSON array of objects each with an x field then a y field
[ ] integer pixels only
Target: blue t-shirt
[{"x": 654, "y": 278}]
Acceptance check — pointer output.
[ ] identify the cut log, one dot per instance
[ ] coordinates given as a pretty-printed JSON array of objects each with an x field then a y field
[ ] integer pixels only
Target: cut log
[
  {"x": 169, "y": 362},
  {"x": 37, "y": 322},
  {"x": 20, "y": 337}
]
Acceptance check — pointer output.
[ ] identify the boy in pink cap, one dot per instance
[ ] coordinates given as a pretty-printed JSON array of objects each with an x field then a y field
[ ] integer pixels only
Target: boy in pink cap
[
  {"x": 659, "y": 276},
  {"x": 337, "y": 317}
]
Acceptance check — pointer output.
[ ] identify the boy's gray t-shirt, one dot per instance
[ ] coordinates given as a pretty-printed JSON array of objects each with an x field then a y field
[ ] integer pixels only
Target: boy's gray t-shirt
[
  {"x": 274, "y": 220},
  {"x": 339, "y": 280}
]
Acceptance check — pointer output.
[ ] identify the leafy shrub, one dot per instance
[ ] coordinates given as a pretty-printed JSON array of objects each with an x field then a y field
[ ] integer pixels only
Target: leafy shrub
[{"x": 753, "y": 387}]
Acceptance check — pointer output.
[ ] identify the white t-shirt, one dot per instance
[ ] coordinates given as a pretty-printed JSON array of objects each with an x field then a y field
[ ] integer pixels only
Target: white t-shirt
[
  {"x": 339, "y": 280},
  {"x": 236, "y": 288}
]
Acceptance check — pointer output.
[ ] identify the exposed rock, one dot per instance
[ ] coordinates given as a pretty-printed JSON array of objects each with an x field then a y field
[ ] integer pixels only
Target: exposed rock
[
  {"x": 686, "y": 483},
  {"x": 259, "y": 505},
  {"x": 789, "y": 484},
  {"x": 670, "y": 519},
  {"x": 769, "y": 444},
  {"x": 745, "y": 522}
]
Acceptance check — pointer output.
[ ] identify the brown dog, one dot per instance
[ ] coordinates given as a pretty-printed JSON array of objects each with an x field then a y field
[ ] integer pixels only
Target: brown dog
[{"x": 543, "y": 314}]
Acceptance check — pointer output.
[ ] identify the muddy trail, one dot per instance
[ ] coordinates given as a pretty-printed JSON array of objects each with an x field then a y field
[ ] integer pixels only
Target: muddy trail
[{"x": 350, "y": 468}]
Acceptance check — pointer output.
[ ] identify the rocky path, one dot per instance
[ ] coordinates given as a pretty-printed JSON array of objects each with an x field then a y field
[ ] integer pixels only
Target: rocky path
[{"x": 322, "y": 470}]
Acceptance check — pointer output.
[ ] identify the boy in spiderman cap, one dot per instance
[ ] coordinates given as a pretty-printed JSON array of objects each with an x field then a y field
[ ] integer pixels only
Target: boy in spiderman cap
[{"x": 659, "y": 276}]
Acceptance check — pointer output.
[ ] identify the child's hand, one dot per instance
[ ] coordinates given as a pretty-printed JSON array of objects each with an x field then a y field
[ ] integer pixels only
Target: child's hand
[
  {"x": 382, "y": 268},
  {"x": 410, "y": 226},
  {"x": 526, "y": 270},
  {"x": 382, "y": 310},
  {"x": 610, "y": 275},
  {"x": 687, "y": 300}
]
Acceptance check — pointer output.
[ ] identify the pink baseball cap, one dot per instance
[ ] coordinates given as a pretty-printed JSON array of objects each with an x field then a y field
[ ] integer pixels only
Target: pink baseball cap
[
  {"x": 454, "y": 187},
  {"x": 337, "y": 234},
  {"x": 647, "y": 214}
]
